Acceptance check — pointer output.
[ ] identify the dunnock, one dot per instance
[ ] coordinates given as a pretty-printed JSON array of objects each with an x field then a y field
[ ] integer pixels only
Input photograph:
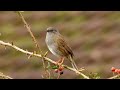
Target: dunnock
[{"x": 58, "y": 46}]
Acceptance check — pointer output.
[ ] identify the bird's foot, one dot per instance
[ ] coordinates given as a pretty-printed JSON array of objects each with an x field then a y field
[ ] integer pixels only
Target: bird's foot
[{"x": 59, "y": 64}]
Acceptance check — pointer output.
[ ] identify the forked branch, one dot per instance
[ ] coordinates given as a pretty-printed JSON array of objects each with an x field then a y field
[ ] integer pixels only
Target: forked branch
[{"x": 38, "y": 55}]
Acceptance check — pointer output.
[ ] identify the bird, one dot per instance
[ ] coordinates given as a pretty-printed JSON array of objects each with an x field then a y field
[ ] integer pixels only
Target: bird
[{"x": 59, "y": 47}]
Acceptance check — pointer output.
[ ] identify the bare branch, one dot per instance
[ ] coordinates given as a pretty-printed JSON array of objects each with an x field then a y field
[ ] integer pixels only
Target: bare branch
[
  {"x": 5, "y": 76},
  {"x": 35, "y": 41},
  {"x": 28, "y": 29},
  {"x": 19, "y": 49},
  {"x": 38, "y": 55},
  {"x": 113, "y": 77}
]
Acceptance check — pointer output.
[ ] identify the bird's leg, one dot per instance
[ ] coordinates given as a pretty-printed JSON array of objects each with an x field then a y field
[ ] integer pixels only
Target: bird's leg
[
  {"x": 59, "y": 63},
  {"x": 62, "y": 60}
]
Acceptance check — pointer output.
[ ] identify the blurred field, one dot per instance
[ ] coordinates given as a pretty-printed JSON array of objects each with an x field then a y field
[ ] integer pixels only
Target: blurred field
[{"x": 94, "y": 37}]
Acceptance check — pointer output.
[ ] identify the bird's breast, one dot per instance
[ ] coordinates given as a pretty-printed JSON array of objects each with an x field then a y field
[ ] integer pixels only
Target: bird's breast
[{"x": 51, "y": 44}]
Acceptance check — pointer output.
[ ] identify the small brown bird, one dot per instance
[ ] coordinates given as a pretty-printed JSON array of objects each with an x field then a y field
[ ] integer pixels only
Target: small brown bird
[{"x": 58, "y": 46}]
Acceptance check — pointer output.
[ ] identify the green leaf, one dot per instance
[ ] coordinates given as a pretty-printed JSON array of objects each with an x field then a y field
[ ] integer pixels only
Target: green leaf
[{"x": 54, "y": 67}]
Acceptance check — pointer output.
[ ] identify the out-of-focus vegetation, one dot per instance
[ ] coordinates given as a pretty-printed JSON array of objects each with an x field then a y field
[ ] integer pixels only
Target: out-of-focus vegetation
[{"x": 93, "y": 36}]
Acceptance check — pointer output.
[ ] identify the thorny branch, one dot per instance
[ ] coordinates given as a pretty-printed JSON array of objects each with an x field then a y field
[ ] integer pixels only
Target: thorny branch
[
  {"x": 38, "y": 55},
  {"x": 35, "y": 41},
  {"x": 5, "y": 76},
  {"x": 47, "y": 59},
  {"x": 114, "y": 76},
  {"x": 28, "y": 29}
]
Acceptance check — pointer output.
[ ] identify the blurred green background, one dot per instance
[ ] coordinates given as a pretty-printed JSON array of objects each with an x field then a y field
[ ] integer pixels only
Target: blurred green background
[{"x": 94, "y": 37}]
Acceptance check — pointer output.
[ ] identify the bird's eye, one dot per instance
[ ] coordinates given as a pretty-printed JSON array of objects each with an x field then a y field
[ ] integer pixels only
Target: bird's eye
[{"x": 49, "y": 30}]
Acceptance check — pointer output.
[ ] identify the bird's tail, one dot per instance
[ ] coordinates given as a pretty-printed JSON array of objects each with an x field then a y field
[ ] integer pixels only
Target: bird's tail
[{"x": 73, "y": 63}]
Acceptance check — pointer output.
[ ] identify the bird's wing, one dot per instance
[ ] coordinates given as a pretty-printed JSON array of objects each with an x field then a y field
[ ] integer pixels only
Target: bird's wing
[{"x": 63, "y": 46}]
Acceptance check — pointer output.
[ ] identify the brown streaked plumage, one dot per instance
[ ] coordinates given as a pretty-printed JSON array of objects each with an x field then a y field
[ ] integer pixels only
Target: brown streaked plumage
[{"x": 63, "y": 47}]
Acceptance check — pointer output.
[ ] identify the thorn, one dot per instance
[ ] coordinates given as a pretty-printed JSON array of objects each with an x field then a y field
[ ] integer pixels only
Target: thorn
[
  {"x": 81, "y": 69},
  {"x": 27, "y": 51},
  {"x": 34, "y": 52},
  {"x": 28, "y": 25},
  {"x": 45, "y": 54},
  {"x": 29, "y": 56},
  {"x": 12, "y": 43},
  {"x": 5, "y": 47}
]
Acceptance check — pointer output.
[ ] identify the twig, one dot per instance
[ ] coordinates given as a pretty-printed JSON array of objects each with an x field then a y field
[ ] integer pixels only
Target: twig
[
  {"x": 28, "y": 29},
  {"x": 113, "y": 77},
  {"x": 38, "y": 55},
  {"x": 35, "y": 41},
  {"x": 76, "y": 71},
  {"x": 5, "y": 76}
]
